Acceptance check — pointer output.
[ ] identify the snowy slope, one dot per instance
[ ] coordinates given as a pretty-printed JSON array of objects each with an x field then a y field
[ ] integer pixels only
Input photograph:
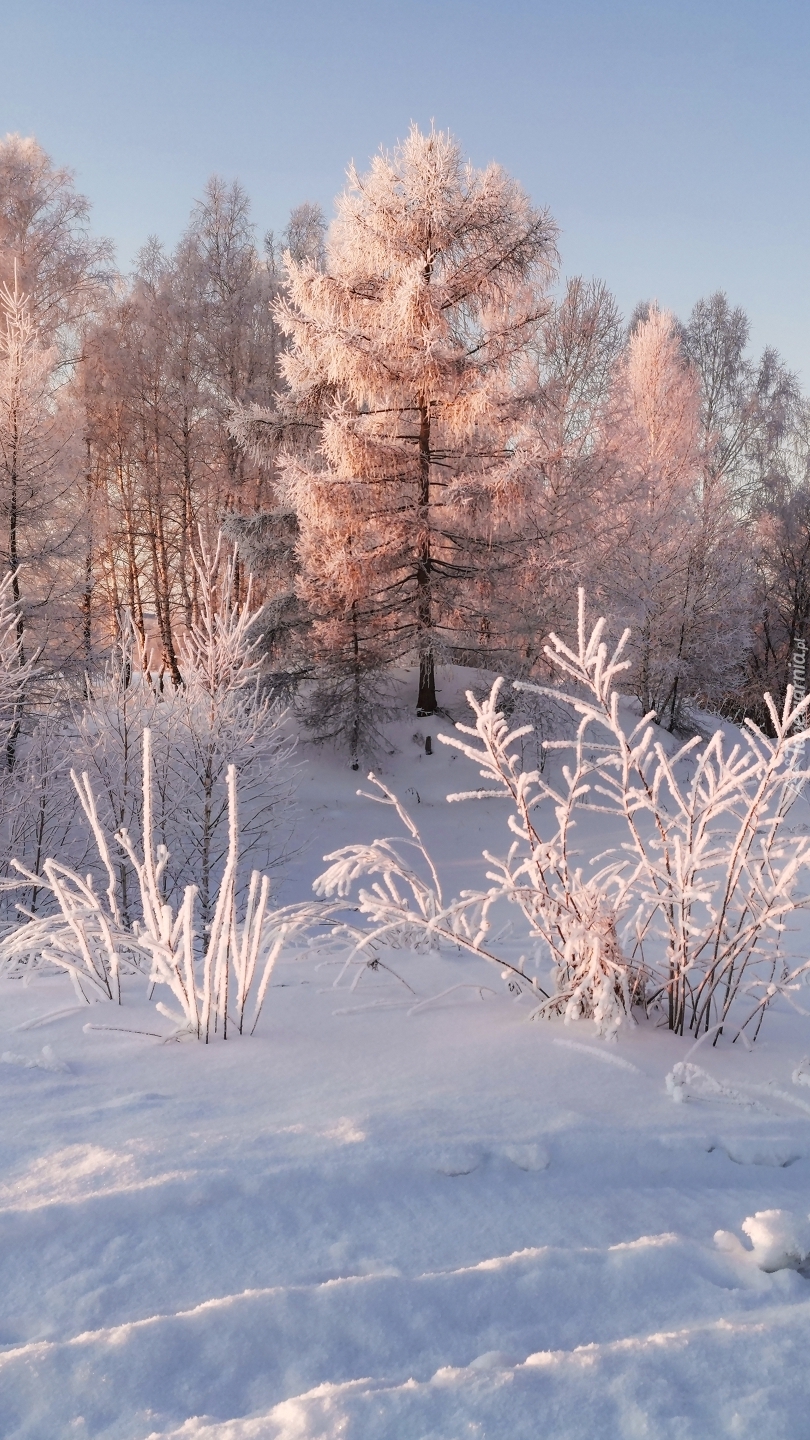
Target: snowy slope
[{"x": 372, "y": 1223}]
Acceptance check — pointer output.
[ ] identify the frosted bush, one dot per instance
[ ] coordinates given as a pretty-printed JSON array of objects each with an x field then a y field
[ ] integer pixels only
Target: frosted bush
[
  {"x": 222, "y": 717},
  {"x": 569, "y": 918},
  {"x": 689, "y": 912},
  {"x": 219, "y": 717},
  {"x": 710, "y": 870},
  {"x": 212, "y": 981}
]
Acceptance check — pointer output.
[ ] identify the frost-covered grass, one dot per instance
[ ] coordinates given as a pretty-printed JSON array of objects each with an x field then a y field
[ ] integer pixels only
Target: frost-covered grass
[{"x": 369, "y": 1223}]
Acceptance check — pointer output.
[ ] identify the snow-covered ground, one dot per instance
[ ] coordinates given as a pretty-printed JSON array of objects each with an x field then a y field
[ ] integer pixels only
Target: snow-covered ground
[{"x": 383, "y": 1225}]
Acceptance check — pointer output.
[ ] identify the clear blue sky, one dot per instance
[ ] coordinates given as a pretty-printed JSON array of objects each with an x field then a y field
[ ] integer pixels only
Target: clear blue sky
[{"x": 670, "y": 140}]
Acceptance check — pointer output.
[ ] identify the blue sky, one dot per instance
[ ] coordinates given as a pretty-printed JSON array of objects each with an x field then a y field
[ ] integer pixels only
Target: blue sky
[{"x": 670, "y": 140}]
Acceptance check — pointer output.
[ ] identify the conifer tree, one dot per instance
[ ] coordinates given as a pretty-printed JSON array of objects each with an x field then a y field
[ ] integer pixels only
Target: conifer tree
[
  {"x": 669, "y": 554},
  {"x": 410, "y": 348}
]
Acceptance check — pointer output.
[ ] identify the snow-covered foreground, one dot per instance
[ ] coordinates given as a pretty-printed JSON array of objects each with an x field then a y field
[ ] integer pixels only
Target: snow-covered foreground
[{"x": 374, "y": 1224}]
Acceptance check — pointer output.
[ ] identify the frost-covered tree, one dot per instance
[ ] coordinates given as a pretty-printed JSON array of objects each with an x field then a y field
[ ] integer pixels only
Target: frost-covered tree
[
  {"x": 305, "y": 234},
  {"x": 220, "y": 716},
  {"x": 267, "y": 544},
  {"x": 671, "y": 558},
  {"x": 236, "y": 331},
  {"x": 409, "y": 351},
  {"x": 45, "y": 233},
  {"x": 577, "y": 350},
  {"x": 38, "y": 466},
  {"x": 746, "y": 406},
  {"x": 189, "y": 337}
]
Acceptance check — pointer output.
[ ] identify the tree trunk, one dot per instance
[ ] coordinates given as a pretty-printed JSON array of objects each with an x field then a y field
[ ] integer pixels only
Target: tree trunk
[
  {"x": 14, "y": 562},
  {"x": 187, "y": 525},
  {"x": 357, "y": 696},
  {"x": 87, "y": 594},
  {"x": 426, "y": 698}
]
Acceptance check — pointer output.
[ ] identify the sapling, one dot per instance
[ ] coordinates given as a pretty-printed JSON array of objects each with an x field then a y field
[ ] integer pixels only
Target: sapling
[{"x": 222, "y": 717}]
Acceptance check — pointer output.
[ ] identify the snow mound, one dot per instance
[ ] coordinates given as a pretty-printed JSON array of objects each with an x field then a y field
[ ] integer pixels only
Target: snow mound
[
  {"x": 780, "y": 1239},
  {"x": 46, "y": 1060}
]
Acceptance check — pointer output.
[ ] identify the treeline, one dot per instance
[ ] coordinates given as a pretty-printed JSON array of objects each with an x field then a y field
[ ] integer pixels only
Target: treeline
[{"x": 420, "y": 440}]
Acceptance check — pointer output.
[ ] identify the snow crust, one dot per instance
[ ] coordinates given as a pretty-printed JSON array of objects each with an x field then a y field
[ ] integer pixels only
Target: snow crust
[{"x": 367, "y": 1223}]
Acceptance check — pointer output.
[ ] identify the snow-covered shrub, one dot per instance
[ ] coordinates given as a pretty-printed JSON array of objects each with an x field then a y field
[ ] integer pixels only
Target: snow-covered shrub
[
  {"x": 223, "y": 717},
  {"x": 569, "y": 917},
  {"x": 88, "y": 938},
  {"x": 709, "y": 865},
  {"x": 107, "y": 742},
  {"x": 84, "y": 936},
  {"x": 211, "y": 988},
  {"x": 219, "y": 717},
  {"x": 690, "y": 910},
  {"x": 42, "y": 807},
  {"x": 780, "y": 1240}
]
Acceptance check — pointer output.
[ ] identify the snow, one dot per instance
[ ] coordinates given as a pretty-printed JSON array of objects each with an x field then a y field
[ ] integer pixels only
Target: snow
[{"x": 376, "y": 1219}]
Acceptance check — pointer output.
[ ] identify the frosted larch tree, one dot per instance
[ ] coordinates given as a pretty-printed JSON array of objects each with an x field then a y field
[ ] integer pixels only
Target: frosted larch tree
[
  {"x": 671, "y": 558},
  {"x": 410, "y": 348}
]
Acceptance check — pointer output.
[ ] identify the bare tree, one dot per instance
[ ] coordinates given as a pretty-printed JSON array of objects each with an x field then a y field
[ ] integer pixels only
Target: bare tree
[
  {"x": 746, "y": 406},
  {"x": 305, "y": 234},
  {"x": 44, "y": 229}
]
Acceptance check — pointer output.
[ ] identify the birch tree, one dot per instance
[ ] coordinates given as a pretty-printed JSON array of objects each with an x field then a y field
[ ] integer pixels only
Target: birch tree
[
  {"x": 45, "y": 233},
  {"x": 747, "y": 406},
  {"x": 37, "y": 474}
]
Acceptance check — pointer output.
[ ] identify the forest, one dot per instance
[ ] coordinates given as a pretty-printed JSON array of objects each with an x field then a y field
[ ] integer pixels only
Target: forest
[{"x": 420, "y": 438}]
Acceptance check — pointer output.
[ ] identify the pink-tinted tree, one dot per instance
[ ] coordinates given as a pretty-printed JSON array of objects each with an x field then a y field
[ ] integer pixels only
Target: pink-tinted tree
[{"x": 410, "y": 353}]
